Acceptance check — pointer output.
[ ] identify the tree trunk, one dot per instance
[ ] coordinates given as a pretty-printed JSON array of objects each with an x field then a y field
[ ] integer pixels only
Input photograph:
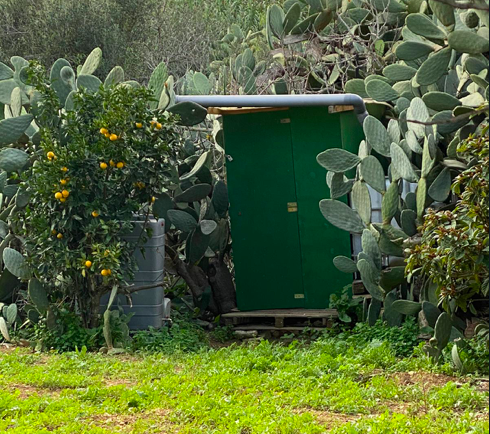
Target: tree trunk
[
  {"x": 222, "y": 284},
  {"x": 94, "y": 304}
]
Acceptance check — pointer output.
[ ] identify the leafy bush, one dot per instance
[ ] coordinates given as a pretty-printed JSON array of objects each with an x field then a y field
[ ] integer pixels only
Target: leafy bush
[
  {"x": 181, "y": 336},
  {"x": 453, "y": 252},
  {"x": 402, "y": 339},
  {"x": 99, "y": 164},
  {"x": 348, "y": 308},
  {"x": 135, "y": 34},
  {"x": 473, "y": 355}
]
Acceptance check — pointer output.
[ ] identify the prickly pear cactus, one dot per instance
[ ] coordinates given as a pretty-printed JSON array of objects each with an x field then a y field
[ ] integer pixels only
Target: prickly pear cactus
[{"x": 435, "y": 90}]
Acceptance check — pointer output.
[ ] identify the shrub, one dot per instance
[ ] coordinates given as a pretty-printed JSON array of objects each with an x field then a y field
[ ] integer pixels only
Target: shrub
[
  {"x": 183, "y": 335},
  {"x": 348, "y": 307},
  {"x": 97, "y": 167},
  {"x": 453, "y": 252},
  {"x": 402, "y": 339},
  {"x": 135, "y": 34}
]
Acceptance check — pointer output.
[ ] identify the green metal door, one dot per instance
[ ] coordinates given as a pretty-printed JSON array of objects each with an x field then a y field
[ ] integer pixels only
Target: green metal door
[
  {"x": 261, "y": 184},
  {"x": 313, "y": 130}
]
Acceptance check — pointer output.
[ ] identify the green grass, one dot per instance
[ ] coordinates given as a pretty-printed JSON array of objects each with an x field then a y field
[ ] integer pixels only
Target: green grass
[{"x": 330, "y": 385}]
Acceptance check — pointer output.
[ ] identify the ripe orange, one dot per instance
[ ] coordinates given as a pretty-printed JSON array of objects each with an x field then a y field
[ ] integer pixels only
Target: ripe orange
[
  {"x": 65, "y": 193},
  {"x": 95, "y": 214},
  {"x": 139, "y": 125},
  {"x": 88, "y": 264},
  {"x": 63, "y": 182},
  {"x": 59, "y": 236},
  {"x": 103, "y": 166},
  {"x": 120, "y": 165},
  {"x": 103, "y": 131},
  {"x": 113, "y": 137},
  {"x": 58, "y": 195},
  {"x": 50, "y": 155}
]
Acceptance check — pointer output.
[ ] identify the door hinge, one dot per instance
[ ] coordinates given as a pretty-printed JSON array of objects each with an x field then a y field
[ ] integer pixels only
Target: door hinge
[
  {"x": 285, "y": 121},
  {"x": 292, "y": 206},
  {"x": 299, "y": 296}
]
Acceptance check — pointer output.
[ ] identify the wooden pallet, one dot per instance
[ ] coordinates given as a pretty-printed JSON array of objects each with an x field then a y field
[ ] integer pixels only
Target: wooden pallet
[{"x": 279, "y": 316}]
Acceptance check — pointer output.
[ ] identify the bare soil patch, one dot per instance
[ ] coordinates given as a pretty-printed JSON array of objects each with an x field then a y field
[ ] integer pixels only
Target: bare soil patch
[
  {"x": 329, "y": 418},
  {"x": 124, "y": 422},
  {"x": 26, "y": 390}
]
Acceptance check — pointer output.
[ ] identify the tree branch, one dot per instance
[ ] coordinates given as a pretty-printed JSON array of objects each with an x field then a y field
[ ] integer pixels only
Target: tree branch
[
  {"x": 131, "y": 289},
  {"x": 454, "y": 119}
]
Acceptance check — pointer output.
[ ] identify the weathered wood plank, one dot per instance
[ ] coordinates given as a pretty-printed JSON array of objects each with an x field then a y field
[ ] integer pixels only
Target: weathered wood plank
[{"x": 284, "y": 313}]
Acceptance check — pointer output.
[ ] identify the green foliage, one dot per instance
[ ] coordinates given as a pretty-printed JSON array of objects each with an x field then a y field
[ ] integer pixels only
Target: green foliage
[
  {"x": 94, "y": 171},
  {"x": 181, "y": 336},
  {"x": 359, "y": 380},
  {"x": 223, "y": 334},
  {"x": 473, "y": 354},
  {"x": 68, "y": 334},
  {"x": 421, "y": 84},
  {"x": 122, "y": 29},
  {"x": 348, "y": 308},
  {"x": 453, "y": 252},
  {"x": 402, "y": 339}
]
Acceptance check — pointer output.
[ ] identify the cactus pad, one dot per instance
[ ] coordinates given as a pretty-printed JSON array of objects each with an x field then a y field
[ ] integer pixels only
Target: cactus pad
[
  {"x": 194, "y": 193},
  {"x": 16, "y": 263},
  {"x": 220, "y": 198},
  {"x": 411, "y": 50},
  {"x": 377, "y": 136},
  {"x": 337, "y": 160},
  {"x": 12, "y": 159},
  {"x": 381, "y": 91},
  {"x": 373, "y": 173},
  {"x": 370, "y": 247},
  {"x": 439, "y": 101},
  {"x": 341, "y": 215},
  {"x": 190, "y": 113},
  {"x": 398, "y": 72},
  {"x": 181, "y": 220},
  {"x": 345, "y": 264},
  {"x": 38, "y": 296},
  {"x": 89, "y": 82},
  {"x": 422, "y": 25},
  {"x": 338, "y": 186},
  {"x": 465, "y": 41},
  {"x": 362, "y": 201},
  {"x": 407, "y": 307},
  {"x": 389, "y": 205},
  {"x": 444, "y": 12},
  {"x": 92, "y": 62},
  {"x": 11, "y": 129},
  {"x": 402, "y": 164}
]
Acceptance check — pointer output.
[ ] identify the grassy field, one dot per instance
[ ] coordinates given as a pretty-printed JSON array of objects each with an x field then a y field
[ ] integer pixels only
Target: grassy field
[{"x": 329, "y": 386}]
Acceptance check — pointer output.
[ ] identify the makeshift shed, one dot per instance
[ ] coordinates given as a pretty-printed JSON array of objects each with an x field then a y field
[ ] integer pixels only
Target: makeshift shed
[{"x": 282, "y": 245}]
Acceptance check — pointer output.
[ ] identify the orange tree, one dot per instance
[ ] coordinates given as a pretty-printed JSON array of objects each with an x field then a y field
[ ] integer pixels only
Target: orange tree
[{"x": 100, "y": 161}]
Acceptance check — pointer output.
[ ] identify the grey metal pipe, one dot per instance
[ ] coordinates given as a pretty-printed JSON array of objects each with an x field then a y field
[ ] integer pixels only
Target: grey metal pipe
[{"x": 279, "y": 101}]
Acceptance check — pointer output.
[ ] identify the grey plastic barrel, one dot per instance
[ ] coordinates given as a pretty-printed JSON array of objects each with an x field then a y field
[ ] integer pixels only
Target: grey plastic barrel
[{"x": 149, "y": 307}]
